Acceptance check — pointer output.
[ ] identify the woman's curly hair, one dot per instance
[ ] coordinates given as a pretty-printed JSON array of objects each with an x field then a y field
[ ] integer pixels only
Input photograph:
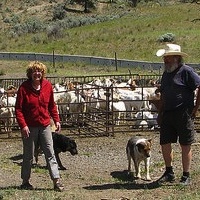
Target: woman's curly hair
[{"x": 35, "y": 65}]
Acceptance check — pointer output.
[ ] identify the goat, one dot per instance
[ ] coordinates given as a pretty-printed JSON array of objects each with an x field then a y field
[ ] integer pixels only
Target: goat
[
  {"x": 6, "y": 118},
  {"x": 118, "y": 109},
  {"x": 147, "y": 116}
]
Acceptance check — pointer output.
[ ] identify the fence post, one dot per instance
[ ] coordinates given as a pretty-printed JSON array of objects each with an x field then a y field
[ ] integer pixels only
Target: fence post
[
  {"x": 116, "y": 68},
  {"x": 53, "y": 59},
  {"x": 108, "y": 122}
]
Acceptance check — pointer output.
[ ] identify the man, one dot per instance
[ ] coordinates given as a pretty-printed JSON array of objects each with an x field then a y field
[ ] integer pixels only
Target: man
[{"x": 177, "y": 111}]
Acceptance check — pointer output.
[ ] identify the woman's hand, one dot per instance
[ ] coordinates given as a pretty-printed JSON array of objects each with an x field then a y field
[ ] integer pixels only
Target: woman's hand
[
  {"x": 58, "y": 127},
  {"x": 25, "y": 132}
]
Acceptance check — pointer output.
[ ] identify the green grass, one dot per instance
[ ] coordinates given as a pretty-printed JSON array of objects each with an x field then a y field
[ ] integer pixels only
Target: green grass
[
  {"x": 14, "y": 69},
  {"x": 184, "y": 195},
  {"x": 132, "y": 37}
]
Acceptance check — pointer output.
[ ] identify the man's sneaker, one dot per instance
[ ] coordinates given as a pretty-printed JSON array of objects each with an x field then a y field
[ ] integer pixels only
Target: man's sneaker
[
  {"x": 26, "y": 186},
  {"x": 167, "y": 177},
  {"x": 58, "y": 187},
  {"x": 185, "y": 180}
]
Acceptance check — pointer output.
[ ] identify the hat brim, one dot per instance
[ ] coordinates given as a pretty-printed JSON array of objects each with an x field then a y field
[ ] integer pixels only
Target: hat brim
[{"x": 161, "y": 52}]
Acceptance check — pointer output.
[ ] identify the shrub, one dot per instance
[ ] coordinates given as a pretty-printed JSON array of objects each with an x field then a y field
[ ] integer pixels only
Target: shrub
[
  {"x": 2, "y": 72},
  {"x": 58, "y": 12},
  {"x": 13, "y": 19},
  {"x": 54, "y": 31},
  {"x": 168, "y": 37},
  {"x": 32, "y": 25},
  {"x": 36, "y": 39}
]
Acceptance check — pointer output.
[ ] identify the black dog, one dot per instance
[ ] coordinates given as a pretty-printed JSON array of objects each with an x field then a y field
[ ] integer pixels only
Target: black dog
[{"x": 61, "y": 143}]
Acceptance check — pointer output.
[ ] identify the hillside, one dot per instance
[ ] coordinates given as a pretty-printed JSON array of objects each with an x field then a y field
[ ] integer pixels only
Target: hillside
[{"x": 131, "y": 33}]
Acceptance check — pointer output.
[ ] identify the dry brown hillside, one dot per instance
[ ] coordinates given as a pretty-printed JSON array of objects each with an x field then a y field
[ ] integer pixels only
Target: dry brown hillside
[
  {"x": 43, "y": 10},
  {"x": 24, "y": 9}
]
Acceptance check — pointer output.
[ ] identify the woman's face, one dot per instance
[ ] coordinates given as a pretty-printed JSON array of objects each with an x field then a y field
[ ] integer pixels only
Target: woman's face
[{"x": 36, "y": 75}]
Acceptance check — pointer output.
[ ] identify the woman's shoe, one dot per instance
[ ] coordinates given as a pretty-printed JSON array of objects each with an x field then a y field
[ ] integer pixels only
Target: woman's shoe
[{"x": 58, "y": 187}]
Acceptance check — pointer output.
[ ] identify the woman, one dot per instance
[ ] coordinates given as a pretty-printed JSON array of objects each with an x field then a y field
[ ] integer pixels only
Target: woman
[{"x": 34, "y": 107}]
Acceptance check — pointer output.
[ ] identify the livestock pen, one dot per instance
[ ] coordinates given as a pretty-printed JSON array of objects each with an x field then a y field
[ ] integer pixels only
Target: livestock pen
[{"x": 102, "y": 105}]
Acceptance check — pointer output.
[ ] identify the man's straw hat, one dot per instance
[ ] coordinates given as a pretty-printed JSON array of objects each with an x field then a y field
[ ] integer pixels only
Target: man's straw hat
[{"x": 170, "y": 50}]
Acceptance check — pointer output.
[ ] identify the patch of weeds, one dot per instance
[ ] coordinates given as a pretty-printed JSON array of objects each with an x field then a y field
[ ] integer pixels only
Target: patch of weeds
[
  {"x": 40, "y": 170},
  {"x": 185, "y": 195},
  {"x": 2, "y": 72},
  {"x": 6, "y": 193},
  {"x": 158, "y": 164},
  {"x": 88, "y": 154},
  {"x": 196, "y": 172},
  {"x": 98, "y": 180},
  {"x": 1, "y": 195}
]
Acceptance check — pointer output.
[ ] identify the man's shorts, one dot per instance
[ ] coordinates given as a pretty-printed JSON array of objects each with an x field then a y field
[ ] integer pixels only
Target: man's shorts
[{"x": 177, "y": 125}]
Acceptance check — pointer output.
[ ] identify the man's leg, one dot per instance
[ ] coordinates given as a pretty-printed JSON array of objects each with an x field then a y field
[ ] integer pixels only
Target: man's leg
[
  {"x": 186, "y": 157},
  {"x": 186, "y": 163},
  {"x": 168, "y": 175},
  {"x": 167, "y": 153}
]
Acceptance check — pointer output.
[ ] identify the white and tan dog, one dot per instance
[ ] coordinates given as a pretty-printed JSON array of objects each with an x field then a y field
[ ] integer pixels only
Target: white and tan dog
[{"x": 139, "y": 149}]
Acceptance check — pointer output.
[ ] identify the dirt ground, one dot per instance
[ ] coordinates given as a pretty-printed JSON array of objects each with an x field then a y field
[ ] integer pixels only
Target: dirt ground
[{"x": 98, "y": 172}]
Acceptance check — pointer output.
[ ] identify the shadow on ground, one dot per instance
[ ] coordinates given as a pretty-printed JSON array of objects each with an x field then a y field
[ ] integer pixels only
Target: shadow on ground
[
  {"x": 124, "y": 182},
  {"x": 18, "y": 160}
]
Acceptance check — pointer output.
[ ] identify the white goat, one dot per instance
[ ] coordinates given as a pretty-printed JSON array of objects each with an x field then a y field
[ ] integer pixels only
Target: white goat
[
  {"x": 119, "y": 109},
  {"x": 7, "y": 119},
  {"x": 7, "y": 101},
  {"x": 147, "y": 116},
  {"x": 73, "y": 104}
]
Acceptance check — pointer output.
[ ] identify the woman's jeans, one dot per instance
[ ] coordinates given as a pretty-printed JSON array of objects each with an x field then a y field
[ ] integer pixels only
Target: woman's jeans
[{"x": 39, "y": 136}]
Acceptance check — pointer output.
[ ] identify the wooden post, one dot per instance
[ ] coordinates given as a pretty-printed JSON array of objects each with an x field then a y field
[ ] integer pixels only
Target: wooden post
[
  {"x": 53, "y": 59},
  {"x": 116, "y": 62}
]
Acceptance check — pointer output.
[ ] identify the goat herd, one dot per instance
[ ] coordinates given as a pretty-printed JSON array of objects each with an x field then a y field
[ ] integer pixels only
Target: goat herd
[{"x": 113, "y": 101}]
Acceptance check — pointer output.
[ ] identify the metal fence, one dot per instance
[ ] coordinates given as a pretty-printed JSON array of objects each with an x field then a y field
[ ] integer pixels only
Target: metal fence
[
  {"x": 142, "y": 79},
  {"x": 96, "y": 121}
]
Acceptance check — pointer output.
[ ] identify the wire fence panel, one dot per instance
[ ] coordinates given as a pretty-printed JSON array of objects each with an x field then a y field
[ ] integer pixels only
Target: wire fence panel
[{"x": 93, "y": 109}]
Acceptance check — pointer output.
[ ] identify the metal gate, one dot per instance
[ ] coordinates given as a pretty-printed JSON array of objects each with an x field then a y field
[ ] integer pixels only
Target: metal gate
[{"x": 98, "y": 116}]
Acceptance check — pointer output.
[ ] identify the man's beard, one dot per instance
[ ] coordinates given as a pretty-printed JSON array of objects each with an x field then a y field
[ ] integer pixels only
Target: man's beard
[{"x": 170, "y": 68}]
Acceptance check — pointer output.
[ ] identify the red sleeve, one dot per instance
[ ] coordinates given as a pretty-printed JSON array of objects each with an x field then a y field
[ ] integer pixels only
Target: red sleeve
[
  {"x": 18, "y": 108},
  {"x": 53, "y": 110}
]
